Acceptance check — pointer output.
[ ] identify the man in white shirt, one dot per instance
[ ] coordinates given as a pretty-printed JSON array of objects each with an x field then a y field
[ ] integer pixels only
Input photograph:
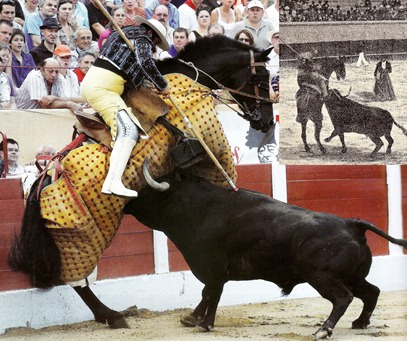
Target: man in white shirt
[
  {"x": 255, "y": 24},
  {"x": 187, "y": 14},
  {"x": 45, "y": 88}
]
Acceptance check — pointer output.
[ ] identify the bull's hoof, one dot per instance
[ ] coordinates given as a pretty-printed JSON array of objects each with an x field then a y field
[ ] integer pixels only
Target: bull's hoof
[
  {"x": 323, "y": 333},
  {"x": 205, "y": 327},
  {"x": 115, "y": 321},
  {"x": 189, "y": 321},
  {"x": 360, "y": 324},
  {"x": 307, "y": 149},
  {"x": 323, "y": 150},
  {"x": 327, "y": 139}
]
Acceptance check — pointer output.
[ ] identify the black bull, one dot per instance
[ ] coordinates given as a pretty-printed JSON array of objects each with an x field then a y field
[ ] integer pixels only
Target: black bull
[
  {"x": 349, "y": 116},
  {"x": 225, "y": 235}
]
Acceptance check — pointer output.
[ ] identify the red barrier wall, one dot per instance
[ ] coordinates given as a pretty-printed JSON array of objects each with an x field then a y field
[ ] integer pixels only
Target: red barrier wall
[{"x": 348, "y": 191}]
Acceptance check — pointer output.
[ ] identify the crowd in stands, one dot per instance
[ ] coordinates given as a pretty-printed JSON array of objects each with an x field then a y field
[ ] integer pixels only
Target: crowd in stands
[
  {"x": 312, "y": 11},
  {"x": 47, "y": 46}
]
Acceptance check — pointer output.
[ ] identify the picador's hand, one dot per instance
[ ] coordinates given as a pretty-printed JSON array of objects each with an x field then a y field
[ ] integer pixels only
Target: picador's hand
[{"x": 165, "y": 92}]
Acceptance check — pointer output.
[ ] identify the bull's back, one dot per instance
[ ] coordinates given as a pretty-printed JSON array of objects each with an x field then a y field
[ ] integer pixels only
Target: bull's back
[{"x": 350, "y": 116}]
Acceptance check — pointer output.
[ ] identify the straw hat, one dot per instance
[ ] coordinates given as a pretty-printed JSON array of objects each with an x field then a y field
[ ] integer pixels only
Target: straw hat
[
  {"x": 158, "y": 28},
  {"x": 271, "y": 34}
]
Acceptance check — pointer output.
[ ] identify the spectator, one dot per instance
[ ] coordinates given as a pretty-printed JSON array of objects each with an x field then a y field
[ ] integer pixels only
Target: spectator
[
  {"x": 7, "y": 97},
  {"x": 6, "y": 30},
  {"x": 86, "y": 60},
  {"x": 273, "y": 63},
  {"x": 180, "y": 39},
  {"x": 83, "y": 42},
  {"x": 132, "y": 10},
  {"x": 187, "y": 14},
  {"x": 173, "y": 19},
  {"x": 45, "y": 88},
  {"x": 245, "y": 36},
  {"x": 13, "y": 151},
  {"x": 68, "y": 23},
  {"x": 80, "y": 13},
  {"x": 383, "y": 88},
  {"x": 216, "y": 29},
  {"x": 22, "y": 63},
  {"x": 162, "y": 15},
  {"x": 203, "y": 16},
  {"x": 63, "y": 55},
  {"x": 43, "y": 155},
  {"x": 8, "y": 12},
  {"x": 32, "y": 30},
  {"x": 97, "y": 20},
  {"x": 30, "y": 6},
  {"x": 49, "y": 32},
  {"x": 225, "y": 15},
  {"x": 272, "y": 13},
  {"x": 255, "y": 24},
  {"x": 119, "y": 16}
]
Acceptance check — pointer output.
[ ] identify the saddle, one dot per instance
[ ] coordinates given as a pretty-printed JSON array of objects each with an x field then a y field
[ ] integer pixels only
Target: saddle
[{"x": 146, "y": 105}]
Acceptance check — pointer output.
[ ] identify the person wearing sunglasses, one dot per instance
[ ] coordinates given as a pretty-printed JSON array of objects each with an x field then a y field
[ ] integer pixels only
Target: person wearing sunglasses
[{"x": 245, "y": 36}]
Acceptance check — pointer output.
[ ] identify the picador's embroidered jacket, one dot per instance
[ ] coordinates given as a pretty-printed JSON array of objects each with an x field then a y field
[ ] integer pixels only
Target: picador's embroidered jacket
[{"x": 138, "y": 66}]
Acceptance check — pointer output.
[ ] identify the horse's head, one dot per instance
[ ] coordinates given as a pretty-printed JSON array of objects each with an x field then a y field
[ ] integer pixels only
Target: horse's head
[
  {"x": 251, "y": 89},
  {"x": 240, "y": 69}
]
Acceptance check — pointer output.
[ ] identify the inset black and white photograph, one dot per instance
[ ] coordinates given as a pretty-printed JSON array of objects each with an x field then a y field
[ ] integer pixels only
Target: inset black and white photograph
[{"x": 343, "y": 68}]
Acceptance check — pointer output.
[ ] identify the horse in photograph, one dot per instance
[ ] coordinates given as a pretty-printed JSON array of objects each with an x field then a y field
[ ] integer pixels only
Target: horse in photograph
[
  {"x": 226, "y": 235},
  {"x": 68, "y": 223},
  {"x": 348, "y": 116},
  {"x": 309, "y": 98}
]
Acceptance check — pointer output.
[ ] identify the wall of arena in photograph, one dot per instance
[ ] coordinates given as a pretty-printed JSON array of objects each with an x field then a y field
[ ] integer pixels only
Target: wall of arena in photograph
[{"x": 374, "y": 38}]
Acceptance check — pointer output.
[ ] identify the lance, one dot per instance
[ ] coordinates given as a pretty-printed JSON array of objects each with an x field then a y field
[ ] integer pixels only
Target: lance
[{"x": 193, "y": 130}]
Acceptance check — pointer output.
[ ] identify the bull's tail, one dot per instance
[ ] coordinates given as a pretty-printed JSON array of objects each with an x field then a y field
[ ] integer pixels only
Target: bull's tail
[
  {"x": 34, "y": 251},
  {"x": 364, "y": 225},
  {"x": 404, "y": 130}
]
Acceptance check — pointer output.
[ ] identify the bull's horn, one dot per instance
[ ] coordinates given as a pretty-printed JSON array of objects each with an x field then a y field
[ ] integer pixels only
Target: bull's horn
[
  {"x": 161, "y": 187},
  {"x": 350, "y": 89}
]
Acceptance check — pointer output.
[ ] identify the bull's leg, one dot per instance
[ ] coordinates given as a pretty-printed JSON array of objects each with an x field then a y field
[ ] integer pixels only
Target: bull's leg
[
  {"x": 378, "y": 142},
  {"x": 304, "y": 136},
  {"x": 198, "y": 314},
  {"x": 101, "y": 312},
  {"x": 333, "y": 134},
  {"x": 369, "y": 294},
  {"x": 340, "y": 296},
  {"x": 213, "y": 294},
  {"x": 390, "y": 141},
  {"x": 342, "y": 138},
  {"x": 317, "y": 135}
]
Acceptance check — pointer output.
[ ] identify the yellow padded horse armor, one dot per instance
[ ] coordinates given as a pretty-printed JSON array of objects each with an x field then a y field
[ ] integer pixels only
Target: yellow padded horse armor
[{"x": 83, "y": 221}]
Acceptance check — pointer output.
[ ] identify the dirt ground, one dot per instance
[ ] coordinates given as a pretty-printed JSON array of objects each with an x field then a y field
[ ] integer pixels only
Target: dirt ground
[
  {"x": 359, "y": 146},
  {"x": 288, "y": 319}
]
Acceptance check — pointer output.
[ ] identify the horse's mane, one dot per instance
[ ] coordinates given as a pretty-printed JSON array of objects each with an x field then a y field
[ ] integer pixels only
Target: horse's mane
[{"x": 211, "y": 46}]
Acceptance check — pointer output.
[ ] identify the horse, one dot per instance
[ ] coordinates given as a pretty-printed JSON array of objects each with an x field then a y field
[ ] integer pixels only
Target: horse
[
  {"x": 43, "y": 249},
  {"x": 310, "y": 102}
]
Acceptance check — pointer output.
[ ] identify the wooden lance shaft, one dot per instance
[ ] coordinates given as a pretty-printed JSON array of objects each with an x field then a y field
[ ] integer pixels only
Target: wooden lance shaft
[{"x": 195, "y": 133}]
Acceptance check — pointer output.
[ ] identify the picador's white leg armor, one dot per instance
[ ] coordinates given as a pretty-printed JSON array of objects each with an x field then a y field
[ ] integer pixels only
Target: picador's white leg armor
[{"x": 126, "y": 139}]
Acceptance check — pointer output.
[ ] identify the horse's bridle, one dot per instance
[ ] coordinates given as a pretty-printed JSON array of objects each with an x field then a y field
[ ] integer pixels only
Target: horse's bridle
[{"x": 255, "y": 115}]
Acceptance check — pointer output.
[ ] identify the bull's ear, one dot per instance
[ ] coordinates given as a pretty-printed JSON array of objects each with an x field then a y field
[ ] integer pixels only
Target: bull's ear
[{"x": 264, "y": 54}]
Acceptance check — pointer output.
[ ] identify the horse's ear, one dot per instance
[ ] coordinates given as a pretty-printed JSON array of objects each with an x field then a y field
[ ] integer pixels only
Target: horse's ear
[{"x": 264, "y": 54}]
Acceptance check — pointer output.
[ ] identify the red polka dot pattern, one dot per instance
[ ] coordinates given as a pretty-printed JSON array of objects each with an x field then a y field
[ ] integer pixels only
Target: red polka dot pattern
[{"x": 84, "y": 228}]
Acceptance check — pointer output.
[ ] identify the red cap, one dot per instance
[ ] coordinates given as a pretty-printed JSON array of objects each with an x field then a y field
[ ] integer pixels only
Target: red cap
[{"x": 62, "y": 51}]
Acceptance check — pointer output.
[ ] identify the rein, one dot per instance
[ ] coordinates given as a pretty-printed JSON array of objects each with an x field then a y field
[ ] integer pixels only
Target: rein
[{"x": 237, "y": 91}]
